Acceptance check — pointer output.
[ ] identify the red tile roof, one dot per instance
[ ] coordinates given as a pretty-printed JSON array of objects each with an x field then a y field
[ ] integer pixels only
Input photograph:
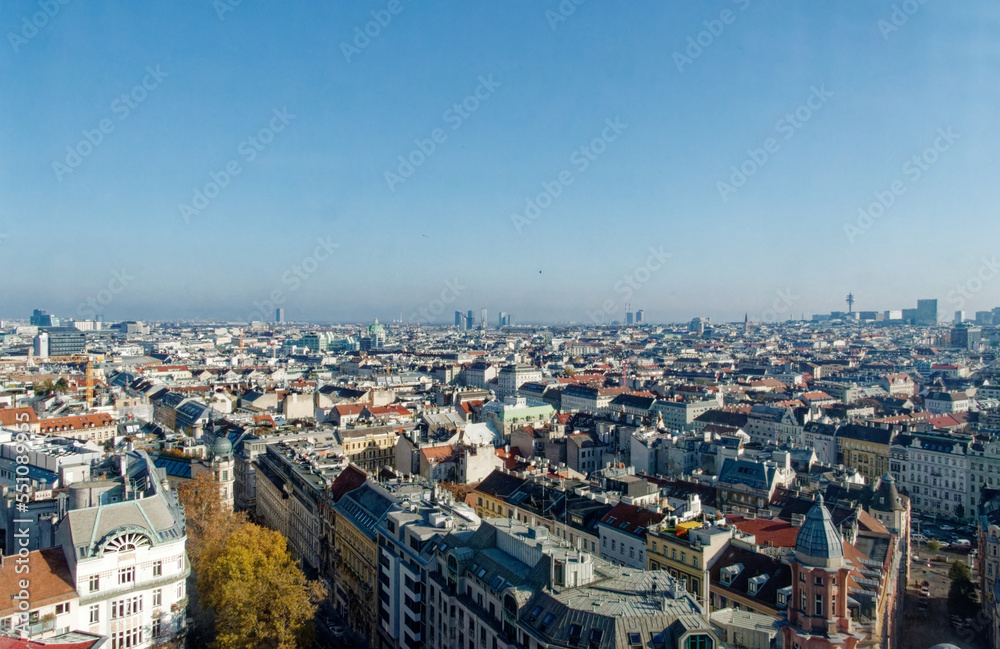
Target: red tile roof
[
  {"x": 631, "y": 519},
  {"x": 435, "y": 454},
  {"x": 12, "y": 417},
  {"x": 350, "y": 479},
  {"x": 773, "y": 533},
  {"x": 78, "y": 422},
  {"x": 51, "y": 581},
  {"x": 348, "y": 409}
]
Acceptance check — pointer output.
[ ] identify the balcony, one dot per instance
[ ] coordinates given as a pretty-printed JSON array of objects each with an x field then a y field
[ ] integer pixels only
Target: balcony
[
  {"x": 105, "y": 593},
  {"x": 42, "y": 626}
]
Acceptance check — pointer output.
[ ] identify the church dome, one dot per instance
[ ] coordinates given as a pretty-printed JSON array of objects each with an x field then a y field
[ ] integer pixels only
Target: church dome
[
  {"x": 818, "y": 540},
  {"x": 221, "y": 448}
]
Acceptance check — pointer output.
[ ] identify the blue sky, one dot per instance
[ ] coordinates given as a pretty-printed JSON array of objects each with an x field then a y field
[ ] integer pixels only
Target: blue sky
[{"x": 776, "y": 246}]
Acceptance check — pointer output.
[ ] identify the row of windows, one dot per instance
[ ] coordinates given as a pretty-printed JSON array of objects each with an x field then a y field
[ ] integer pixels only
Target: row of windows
[
  {"x": 127, "y": 606},
  {"x": 127, "y": 575},
  {"x": 673, "y": 555}
]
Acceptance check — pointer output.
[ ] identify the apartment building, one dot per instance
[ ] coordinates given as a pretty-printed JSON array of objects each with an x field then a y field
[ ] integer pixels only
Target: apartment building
[
  {"x": 510, "y": 586},
  {"x": 119, "y": 567}
]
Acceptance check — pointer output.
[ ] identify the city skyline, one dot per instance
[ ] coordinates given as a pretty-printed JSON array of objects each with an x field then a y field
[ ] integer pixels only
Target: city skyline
[{"x": 716, "y": 159}]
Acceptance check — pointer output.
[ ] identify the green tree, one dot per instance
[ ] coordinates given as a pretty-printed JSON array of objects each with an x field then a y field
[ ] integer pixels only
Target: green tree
[
  {"x": 61, "y": 386},
  {"x": 962, "y": 592},
  {"x": 933, "y": 545},
  {"x": 959, "y": 571}
]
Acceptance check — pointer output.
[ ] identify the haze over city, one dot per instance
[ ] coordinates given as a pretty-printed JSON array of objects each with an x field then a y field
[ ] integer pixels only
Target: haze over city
[{"x": 531, "y": 153}]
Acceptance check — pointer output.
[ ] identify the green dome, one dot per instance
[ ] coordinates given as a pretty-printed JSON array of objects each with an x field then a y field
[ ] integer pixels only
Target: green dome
[{"x": 221, "y": 448}]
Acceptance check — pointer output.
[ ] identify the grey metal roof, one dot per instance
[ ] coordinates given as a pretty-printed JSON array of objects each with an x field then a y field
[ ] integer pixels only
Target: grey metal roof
[{"x": 818, "y": 538}]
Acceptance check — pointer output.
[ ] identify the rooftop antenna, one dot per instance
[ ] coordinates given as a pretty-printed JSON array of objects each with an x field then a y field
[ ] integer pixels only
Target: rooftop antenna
[{"x": 850, "y": 302}]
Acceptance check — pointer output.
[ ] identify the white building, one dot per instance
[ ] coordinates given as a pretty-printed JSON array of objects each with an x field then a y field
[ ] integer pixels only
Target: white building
[
  {"x": 509, "y": 586},
  {"x": 622, "y": 533},
  {"x": 679, "y": 415},
  {"x": 119, "y": 566},
  {"x": 513, "y": 376},
  {"x": 934, "y": 472}
]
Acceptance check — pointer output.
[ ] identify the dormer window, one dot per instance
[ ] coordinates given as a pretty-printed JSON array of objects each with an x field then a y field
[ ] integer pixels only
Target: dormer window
[
  {"x": 729, "y": 573},
  {"x": 756, "y": 583}
]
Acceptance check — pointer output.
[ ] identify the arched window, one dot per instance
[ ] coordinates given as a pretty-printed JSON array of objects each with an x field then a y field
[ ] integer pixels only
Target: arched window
[{"x": 126, "y": 542}]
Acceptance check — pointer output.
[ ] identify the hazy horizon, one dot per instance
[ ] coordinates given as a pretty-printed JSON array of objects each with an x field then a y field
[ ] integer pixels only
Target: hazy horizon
[{"x": 553, "y": 160}]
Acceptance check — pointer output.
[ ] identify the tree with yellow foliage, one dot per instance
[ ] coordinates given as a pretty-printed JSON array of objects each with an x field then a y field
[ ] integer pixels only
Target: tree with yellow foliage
[
  {"x": 208, "y": 522},
  {"x": 260, "y": 596},
  {"x": 245, "y": 575}
]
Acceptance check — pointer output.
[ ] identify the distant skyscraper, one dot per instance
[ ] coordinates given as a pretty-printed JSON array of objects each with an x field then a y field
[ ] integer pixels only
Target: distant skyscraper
[
  {"x": 458, "y": 319},
  {"x": 640, "y": 316},
  {"x": 629, "y": 318},
  {"x": 482, "y": 317},
  {"x": 41, "y": 344},
  {"x": 927, "y": 312},
  {"x": 279, "y": 314},
  {"x": 959, "y": 317},
  {"x": 41, "y": 318},
  {"x": 966, "y": 337},
  {"x": 502, "y": 319},
  {"x": 470, "y": 320}
]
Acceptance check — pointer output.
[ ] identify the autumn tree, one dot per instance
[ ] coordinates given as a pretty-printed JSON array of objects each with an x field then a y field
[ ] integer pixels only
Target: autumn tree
[
  {"x": 260, "y": 596},
  {"x": 253, "y": 591},
  {"x": 209, "y": 523}
]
